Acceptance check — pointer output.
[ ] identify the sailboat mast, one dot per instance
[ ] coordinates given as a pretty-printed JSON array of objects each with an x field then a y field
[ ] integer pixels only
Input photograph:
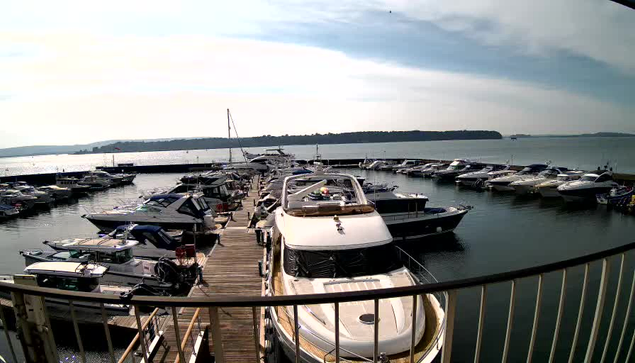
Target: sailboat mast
[{"x": 229, "y": 135}]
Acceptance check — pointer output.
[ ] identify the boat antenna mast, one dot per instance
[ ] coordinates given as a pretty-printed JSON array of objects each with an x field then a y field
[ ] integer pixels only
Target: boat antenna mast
[{"x": 229, "y": 136}]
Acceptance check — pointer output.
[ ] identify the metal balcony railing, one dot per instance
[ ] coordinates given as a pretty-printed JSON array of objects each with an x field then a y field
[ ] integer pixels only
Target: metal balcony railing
[{"x": 447, "y": 291}]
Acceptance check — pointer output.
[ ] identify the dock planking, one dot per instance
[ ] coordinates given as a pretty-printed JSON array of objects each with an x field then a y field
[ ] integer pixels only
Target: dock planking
[{"x": 232, "y": 268}]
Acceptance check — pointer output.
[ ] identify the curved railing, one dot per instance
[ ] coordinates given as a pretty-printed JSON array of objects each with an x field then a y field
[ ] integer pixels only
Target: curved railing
[{"x": 446, "y": 287}]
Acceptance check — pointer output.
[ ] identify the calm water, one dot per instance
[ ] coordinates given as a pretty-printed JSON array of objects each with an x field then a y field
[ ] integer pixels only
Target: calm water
[
  {"x": 585, "y": 153},
  {"x": 502, "y": 233}
]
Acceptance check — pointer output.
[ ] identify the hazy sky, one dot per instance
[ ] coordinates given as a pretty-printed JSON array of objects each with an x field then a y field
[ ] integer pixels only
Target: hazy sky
[{"x": 83, "y": 71}]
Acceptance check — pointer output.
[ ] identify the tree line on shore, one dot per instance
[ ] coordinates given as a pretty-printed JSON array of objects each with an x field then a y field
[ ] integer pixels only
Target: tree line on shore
[{"x": 268, "y": 140}]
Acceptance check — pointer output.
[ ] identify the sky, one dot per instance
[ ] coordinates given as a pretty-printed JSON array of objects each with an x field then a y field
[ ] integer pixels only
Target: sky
[{"x": 74, "y": 72}]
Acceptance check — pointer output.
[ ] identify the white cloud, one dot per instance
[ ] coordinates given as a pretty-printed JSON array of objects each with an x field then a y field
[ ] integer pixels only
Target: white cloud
[{"x": 83, "y": 88}]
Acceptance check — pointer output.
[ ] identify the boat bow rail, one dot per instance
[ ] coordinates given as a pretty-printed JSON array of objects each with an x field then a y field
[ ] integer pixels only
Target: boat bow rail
[{"x": 448, "y": 290}]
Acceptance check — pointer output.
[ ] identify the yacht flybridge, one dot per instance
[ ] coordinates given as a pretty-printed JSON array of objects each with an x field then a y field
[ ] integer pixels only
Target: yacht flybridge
[{"x": 328, "y": 238}]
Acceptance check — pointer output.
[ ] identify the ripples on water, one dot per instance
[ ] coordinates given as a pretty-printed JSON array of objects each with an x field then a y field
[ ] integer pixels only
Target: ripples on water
[{"x": 503, "y": 232}]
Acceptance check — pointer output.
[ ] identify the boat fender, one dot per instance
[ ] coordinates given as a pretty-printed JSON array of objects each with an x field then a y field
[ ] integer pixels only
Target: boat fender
[
  {"x": 439, "y": 229},
  {"x": 260, "y": 267}
]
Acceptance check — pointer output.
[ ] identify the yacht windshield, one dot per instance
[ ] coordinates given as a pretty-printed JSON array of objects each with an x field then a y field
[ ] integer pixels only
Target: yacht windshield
[
  {"x": 161, "y": 202},
  {"x": 589, "y": 178},
  {"x": 341, "y": 263}
]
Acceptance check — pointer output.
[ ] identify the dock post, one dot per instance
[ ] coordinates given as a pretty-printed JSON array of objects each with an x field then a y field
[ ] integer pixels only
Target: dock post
[{"x": 217, "y": 335}]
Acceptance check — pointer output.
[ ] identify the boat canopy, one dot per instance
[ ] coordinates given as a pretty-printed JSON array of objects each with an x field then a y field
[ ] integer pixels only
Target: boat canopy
[{"x": 68, "y": 269}]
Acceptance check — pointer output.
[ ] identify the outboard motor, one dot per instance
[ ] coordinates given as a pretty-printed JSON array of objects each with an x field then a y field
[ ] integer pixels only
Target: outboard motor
[{"x": 180, "y": 277}]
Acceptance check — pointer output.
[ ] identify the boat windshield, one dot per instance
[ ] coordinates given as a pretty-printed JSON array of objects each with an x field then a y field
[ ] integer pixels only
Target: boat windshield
[
  {"x": 589, "y": 178},
  {"x": 84, "y": 284},
  {"x": 324, "y": 196},
  {"x": 161, "y": 202},
  {"x": 341, "y": 263}
]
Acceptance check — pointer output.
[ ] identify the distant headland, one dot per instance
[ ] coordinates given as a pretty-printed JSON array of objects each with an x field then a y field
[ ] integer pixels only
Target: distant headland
[
  {"x": 597, "y": 134},
  {"x": 268, "y": 140}
]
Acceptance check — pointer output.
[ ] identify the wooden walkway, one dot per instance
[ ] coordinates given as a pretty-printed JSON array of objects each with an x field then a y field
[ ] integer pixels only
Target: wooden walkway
[{"x": 232, "y": 268}]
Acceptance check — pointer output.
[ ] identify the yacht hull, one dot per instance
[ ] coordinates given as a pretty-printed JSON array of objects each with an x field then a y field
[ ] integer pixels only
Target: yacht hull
[
  {"x": 406, "y": 227},
  {"x": 551, "y": 192},
  {"x": 109, "y": 225},
  {"x": 583, "y": 195}
]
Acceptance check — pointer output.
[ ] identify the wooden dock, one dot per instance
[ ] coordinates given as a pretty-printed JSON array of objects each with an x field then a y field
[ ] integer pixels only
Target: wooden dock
[{"x": 232, "y": 268}]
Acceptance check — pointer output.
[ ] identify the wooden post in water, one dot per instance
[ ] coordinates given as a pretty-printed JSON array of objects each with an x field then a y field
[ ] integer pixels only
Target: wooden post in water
[{"x": 229, "y": 135}]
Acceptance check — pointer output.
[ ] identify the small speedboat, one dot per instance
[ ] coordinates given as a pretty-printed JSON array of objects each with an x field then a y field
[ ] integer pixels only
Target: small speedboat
[
  {"x": 616, "y": 195},
  {"x": 8, "y": 211},
  {"x": 457, "y": 167},
  {"x": 56, "y": 192},
  {"x": 406, "y": 164},
  {"x": 587, "y": 187},
  {"x": 424, "y": 171}
]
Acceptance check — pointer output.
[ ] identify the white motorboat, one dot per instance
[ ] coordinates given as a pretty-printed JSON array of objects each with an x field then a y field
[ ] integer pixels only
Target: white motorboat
[
  {"x": 406, "y": 164},
  {"x": 73, "y": 184},
  {"x": 15, "y": 198},
  {"x": 425, "y": 171},
  {"x": 8, "y": 211},
  {"x": 42, "y": 197},
  {"x": 549, "y": 188},
  {"x": 587, "y": 187},
  {"x": 501, "y": 183},
  {"x": 71, "y": 276},
  {"x": 329, "y": 238},
  {"x": 171, "y": 211},
  {"x": 213, "y": 186},
  {"x": 100, "y": 180},
  {"x": 123, "y": 268},
  {"x": 56, "y": 192},
  {"x": 375, "y": 165},
  {"x": 527, "y": 185},
  {"x": 480, "y": 176}
]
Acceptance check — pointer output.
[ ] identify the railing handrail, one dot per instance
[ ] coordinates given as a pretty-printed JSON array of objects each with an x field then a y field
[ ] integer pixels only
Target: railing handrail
[{"x": 232, "y": 300}]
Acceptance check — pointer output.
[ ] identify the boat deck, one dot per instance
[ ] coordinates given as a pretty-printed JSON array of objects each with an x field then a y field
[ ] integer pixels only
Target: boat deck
[{"x": 232, "y": 268}]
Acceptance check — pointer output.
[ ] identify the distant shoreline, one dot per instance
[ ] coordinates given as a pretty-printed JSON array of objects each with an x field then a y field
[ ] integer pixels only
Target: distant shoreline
[{"x": 274, "y": 141}]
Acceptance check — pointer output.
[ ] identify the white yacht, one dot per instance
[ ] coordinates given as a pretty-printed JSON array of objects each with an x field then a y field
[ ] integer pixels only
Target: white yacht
[
  {"x": 425, "y": 171},
  {"x": 406, "y": 164},
  {"x": 587, "y": 187},
  {"x": 15, "y": 198},
  {"x": 98, "y": 180},
  {"x": 375, "y": 165},
  {"x": 501, "y": 183},
  {"x": 528, "y": 185},
  {"x": 480, "y": 176},
  {"x": 328, "y": 238},
  {"x": 549, "y": 188},
  {"x": 42, "y": 197},
  {"x": 170, "y": 211}
]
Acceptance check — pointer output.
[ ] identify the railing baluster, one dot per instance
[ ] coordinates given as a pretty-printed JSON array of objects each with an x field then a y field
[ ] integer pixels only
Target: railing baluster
[
  {"x": 217, "y": 335},
  {"x": 254, "y": 315},
  {"x": 481, "y": 321},
  {"x": 5, "y": 327},
  {"x": 104, "y": 319},
  {"x": 450, "y": 313},
  {"x": 296, "y": 333},
  {"x": 413, "y": 335},
  {"x": 337, "y": 332},
  {"x": 177, "y": 334},
  {"x": 556, "y": 332},
  {"x": 78, "y": 336},
  {"x": 618, "y": 290},
  {"x": 599, "y": 309},
  {"x": 628, "y": 313},
  {"x": 532, "y": 342},
  {"x": 376, "y": 335},
  {"x": 510, "y": 321},
  {"x": 142, "y": 335},
  {"x": 580, "y": 311}
]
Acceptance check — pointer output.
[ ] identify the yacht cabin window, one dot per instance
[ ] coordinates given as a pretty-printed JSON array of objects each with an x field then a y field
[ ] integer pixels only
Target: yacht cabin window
[
  {"x": 603, "y": 178},
  {"x": 589, "y": 178},
  {"x": 341, "y": 263},
  {"x": 162, "y": 202}
]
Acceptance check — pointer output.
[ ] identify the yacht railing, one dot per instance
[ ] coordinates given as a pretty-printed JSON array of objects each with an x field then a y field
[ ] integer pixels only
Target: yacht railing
[{"x": 621, "y": 336}]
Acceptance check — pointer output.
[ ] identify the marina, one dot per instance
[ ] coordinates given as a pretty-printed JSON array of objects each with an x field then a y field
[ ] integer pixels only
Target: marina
[{"x": 235, "y": 265}]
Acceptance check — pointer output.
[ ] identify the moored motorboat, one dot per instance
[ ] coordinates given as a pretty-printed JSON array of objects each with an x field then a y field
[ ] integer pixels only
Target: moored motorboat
[
  {"x": 8, "y": 211},
  {"x": 476, "y": 178},
  {"x": 501, "y": 183},
  {"x": 549, "y": 188},
  {"x": 616, "y": 196},
  {"x": 407, "y": 216},
  {"x": 587, "y": 187},
  {"x": 527, "y": 185},
  {"x": 171, "y": 211},
  {"x": 328, "y": 238}
]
